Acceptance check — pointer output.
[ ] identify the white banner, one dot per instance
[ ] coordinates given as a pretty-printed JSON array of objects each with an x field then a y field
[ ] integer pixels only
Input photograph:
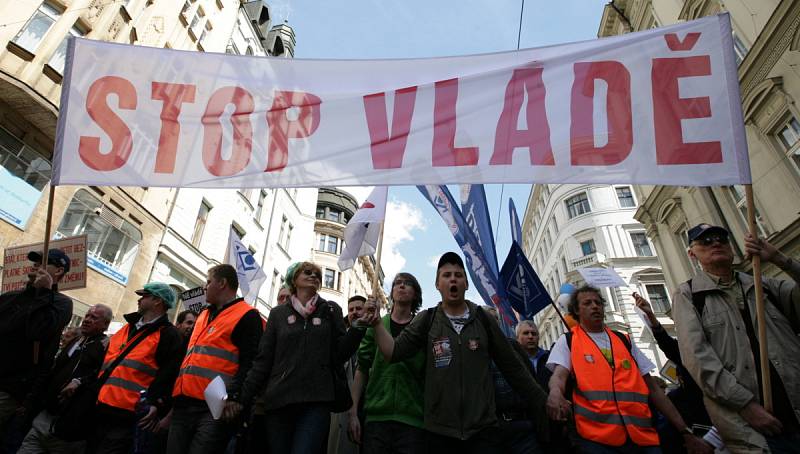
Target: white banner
[
  {"x": 601, "y": 277},
  {"x": 655, "y": 107}
]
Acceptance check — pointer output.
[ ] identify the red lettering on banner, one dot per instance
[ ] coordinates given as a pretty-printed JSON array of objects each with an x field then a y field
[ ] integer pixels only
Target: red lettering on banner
[
  {"x": 676, "y": 44},
  {"x": 98, "y": 109},
  {"x": 669, "y": 109},
  {"x": 281, "y": 129},
  {"x": 173, "y": 95},
  {"x": 388, "y": 150},
  {"x": 445, "y": 153},
  {"x": 242, "y": 143},
  {"x": 618, "y": 112},
  {"x": 537, "y": 137}
]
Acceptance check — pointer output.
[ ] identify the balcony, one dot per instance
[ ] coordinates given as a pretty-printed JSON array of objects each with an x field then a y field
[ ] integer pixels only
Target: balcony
[{"x": 594, "y": 258}]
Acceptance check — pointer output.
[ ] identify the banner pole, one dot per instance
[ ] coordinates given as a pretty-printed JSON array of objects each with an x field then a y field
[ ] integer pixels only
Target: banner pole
[
  {"x": 48, "y": 223},
  {"x": 560, "y": 315},
  {"x": 760, "y": 311},
  {"x": 375, "y": 277}
]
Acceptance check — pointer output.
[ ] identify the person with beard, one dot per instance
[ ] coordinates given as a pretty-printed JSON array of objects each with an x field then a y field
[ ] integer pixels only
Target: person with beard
[
  {"x": 460, "y": 340},
  {"x": 612, "y": 386},
  {"x": 393, "y": 399},
  {"x": 63, "y": 424}
]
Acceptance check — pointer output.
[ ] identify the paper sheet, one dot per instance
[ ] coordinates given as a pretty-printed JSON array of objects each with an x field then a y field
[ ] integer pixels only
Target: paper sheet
[{"x": 216, "y": 394}]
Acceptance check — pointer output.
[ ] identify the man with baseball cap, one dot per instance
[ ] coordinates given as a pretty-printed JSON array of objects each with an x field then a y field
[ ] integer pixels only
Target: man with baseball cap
[
  {"x": 31, "y": 321},
  {"x": 143, "y": 356},
  {"x": 715, "y": 318}
]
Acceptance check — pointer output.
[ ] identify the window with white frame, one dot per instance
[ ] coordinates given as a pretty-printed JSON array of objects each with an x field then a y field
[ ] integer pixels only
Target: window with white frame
[
  {"x": 28, "y": 171},
  {"x": 659, "y": 300},
  {"x": 587, "y": 247},
  {"x": 788, "y": 135},
  {"x": 273, "y": 291},
  {"x": 198, "y": 23},
  {"x": 625, "y": 196},
  {"x": 285, "y": 235},
  {"x": 330, "y": 279},
  {"x": 738, "y": 194},
  {"x": 112, "y": 242},
  {"x": 739, "y": 48},
  {"x": 262, "y": 198},
  {"x": 33, "y": 32},
  {"x": 328, "y": 243},
  {"x": 59, "y": 57},
  {"x": 641, "y": 244},
  {"x": 200, "y": 223},
  {"x": 577, "y": 205}
]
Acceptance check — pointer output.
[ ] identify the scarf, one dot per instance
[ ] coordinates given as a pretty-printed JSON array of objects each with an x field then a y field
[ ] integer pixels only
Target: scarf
[{"x": 307, "y": 309}]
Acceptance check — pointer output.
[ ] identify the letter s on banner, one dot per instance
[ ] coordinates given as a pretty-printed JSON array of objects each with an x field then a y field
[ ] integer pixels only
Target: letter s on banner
[
  {"x": 618, "y": 110},
  {"x": 281, "y": 129},
  {"x": 98, "y": 109},
  {"x": 242, "y": 143}
]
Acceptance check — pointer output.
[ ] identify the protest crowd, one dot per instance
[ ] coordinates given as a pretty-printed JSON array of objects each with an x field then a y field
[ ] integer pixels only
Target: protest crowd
[{"x": 318, "y": 376}]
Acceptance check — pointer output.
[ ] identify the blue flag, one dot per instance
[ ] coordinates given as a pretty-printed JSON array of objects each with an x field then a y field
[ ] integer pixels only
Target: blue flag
[
  {"x": 516, "y": 230},
  {"x": 476, "y": 214},
  {"x": 477, "y": 265},
  {"x": 521, "y": 284}
]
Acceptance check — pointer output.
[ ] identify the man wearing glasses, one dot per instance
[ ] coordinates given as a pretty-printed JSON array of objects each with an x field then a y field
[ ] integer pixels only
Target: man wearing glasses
[{"x": 716, "y": 325}]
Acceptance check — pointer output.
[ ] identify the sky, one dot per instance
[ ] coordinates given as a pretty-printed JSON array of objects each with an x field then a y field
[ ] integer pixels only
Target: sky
[{"x": 415, "y": 236}]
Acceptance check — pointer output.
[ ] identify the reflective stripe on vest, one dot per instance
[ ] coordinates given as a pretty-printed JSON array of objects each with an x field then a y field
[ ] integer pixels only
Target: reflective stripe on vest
[
  {"x": 211, "y": 351},
  {"x": 610, "y": 404},
  {"x": 134, "y": 373}
]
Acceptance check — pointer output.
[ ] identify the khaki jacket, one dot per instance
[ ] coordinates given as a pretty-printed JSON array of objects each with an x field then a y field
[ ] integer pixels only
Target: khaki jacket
[{"x": 716, "y": 350}]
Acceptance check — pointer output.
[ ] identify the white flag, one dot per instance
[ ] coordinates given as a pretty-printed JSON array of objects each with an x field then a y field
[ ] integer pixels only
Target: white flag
[
  {"x": 362, "y": 232},
  {"x": 250, "y": 274}
]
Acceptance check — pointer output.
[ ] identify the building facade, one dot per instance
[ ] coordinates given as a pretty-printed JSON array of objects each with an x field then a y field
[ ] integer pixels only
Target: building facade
[
  {"x": 766, "y": 37},
  {"x": 567, "y": 227},
  {"x": 335, "y": 208},
  {"x": 128, "y": 239}
]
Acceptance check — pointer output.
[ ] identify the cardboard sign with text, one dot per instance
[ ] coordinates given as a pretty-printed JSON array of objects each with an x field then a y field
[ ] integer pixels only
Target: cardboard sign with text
[
  {"x": 194, "y": 299},
  {"x": 16, "y": 265}
]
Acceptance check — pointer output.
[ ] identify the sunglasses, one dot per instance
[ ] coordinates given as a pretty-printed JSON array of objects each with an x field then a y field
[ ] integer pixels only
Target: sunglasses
[
  {"x": 309, "y": 272},
  {"x": 406, "y": 282},
  {"x": 711, "y": 239}
]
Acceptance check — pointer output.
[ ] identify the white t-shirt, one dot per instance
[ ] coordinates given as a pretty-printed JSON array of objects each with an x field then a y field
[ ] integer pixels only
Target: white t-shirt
[
  {"x": 458, "y": 321},
  {"x": 560, "y": 354}
]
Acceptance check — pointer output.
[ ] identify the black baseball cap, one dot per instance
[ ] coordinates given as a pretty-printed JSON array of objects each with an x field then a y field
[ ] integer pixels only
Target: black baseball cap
[
  {"x": 450, "y": 258},
  {"x": 702, "y": 229},
  {"x": 56, "y": 257}
]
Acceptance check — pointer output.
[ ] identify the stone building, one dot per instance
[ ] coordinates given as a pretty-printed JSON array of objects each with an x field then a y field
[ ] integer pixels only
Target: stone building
[
  {"x": 569, "y": 226},
  {"x": 126, "y": 225},
  {"x": 766, "y": 39},
  {"x": 335, "y": 208}
]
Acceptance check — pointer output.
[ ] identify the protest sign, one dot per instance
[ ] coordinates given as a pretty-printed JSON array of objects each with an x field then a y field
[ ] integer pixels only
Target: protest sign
[
  {"x": 660, "y": 106},
  {"x": 601, "y": 277},
  {"x": 194, "y": 299},
  {"x": 16, "y": 264}
]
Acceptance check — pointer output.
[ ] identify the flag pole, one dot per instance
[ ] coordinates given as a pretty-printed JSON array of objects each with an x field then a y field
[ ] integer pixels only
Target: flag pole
[
  {"x": 376, "y": 277},
  {"x": 47, "y": 227},
  {"x": 760, "y": 311},
  {"x": 560, "y": 315}
]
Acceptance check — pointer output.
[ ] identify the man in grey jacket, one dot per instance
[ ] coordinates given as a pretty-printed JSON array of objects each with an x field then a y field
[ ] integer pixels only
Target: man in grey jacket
[{"x": 716, "y": 325}]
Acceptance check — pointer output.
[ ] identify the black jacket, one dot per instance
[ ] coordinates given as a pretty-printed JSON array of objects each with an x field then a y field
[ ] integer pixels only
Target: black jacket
[
  {"x": 31, "y": 321},
  {"x": 84, "y": 365},
  {"x": 294, "y": 362}
]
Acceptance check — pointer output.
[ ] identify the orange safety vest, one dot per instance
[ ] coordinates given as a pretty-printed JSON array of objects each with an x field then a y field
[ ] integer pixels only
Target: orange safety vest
[
  {"x": 134, "y": 373},
  {"x": 211, "y": 352},
  {"x": 609, "y": 402}
]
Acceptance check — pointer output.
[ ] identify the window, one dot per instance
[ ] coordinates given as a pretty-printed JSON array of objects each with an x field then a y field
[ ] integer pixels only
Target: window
[
  {"x": 285, "y": 234},
  {"x": 329, "y": 279},
  {"x": 200, "y": 224},
  {"x": 564, "y": 265},
  {"x": 273, "y": 291},
  {"x": 23, "y": 174},
  {"x": 587, "y": 247},
  {"x": 658, "y": 297},
  {"x": 59, "y": 57},
  {"x": 328, "y": 243},
  {"x": 238, "y": 231},
  {"x": 738, "y": 194},
  {"x": 641, "y": 245},
  {"x": 320, "y": 213},
  {"x": 333, "y": 215},
  {"x": 31, "y": 35},
  {"x": 625, "y": 197},
  {"x": 577, "y": 205},
  {"x": 112, "y": 241},
  {"x": 739, "y": 48},
  {"x": 789, "y": 136},
  {"x": 262, "y": 198},
  {"x": 207, "y": 28},
  {"x": 187, "y": 5},
  {"x": 198, "y": 23}
]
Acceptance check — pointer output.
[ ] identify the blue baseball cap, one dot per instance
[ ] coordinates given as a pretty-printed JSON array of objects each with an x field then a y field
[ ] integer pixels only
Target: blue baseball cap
[
  {"x": 702, "y": 229},
  {"x": 159, "y": 290},
  {"x": 55, "y": 257}
]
